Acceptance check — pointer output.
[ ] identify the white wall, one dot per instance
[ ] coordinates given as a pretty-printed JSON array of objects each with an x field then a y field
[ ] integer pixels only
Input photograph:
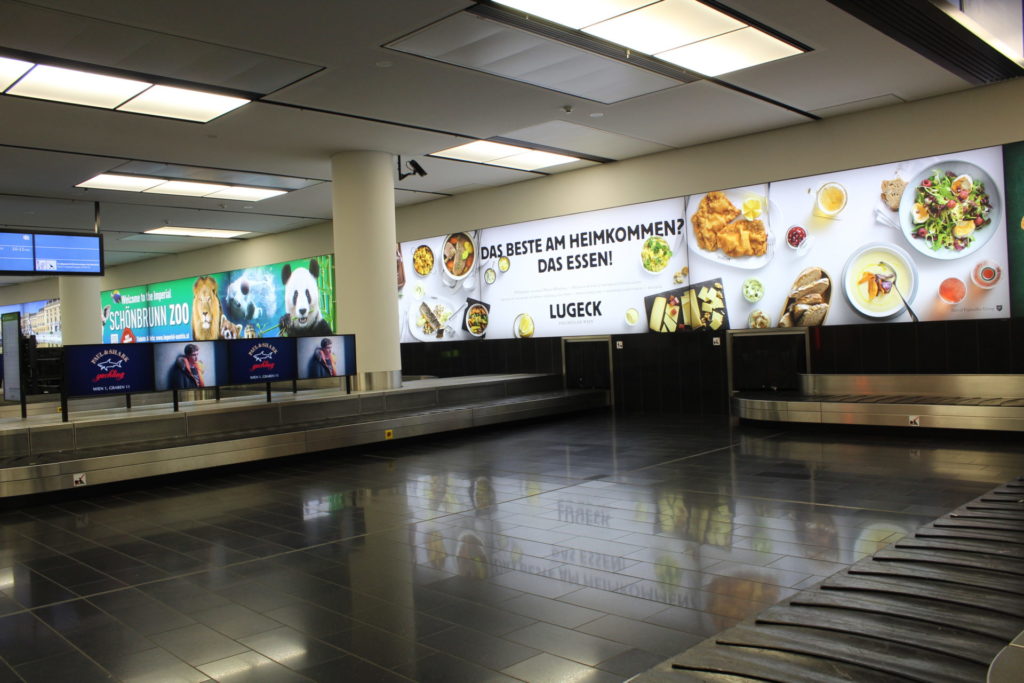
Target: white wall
[{"x": 979, "y": 117}]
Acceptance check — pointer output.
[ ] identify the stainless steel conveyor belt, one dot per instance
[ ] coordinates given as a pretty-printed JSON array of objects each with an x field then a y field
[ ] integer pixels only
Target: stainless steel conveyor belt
[{"x": 114, "y": 444}]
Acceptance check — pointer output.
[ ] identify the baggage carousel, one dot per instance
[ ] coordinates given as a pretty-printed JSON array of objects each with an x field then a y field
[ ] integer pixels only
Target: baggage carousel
[
  {"x": 103, "y": 441},
  {"x": 946, "y": 604},
  {"x": 990, "y": 402}
]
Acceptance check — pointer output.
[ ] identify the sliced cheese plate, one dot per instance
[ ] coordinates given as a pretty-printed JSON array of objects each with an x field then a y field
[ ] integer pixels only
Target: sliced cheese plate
[{"x": 697, "y": 306}]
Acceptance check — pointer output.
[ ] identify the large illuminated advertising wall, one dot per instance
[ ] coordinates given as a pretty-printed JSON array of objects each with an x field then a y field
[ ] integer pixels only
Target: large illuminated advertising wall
[
  {"x": 924, "y": 239},
  {"x": 39, "y": 318},
  {"x": 287, "y": 299}
]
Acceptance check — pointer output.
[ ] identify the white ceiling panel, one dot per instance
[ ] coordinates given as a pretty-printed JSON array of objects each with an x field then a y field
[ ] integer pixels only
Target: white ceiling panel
[{"x": 352, "y": 93}]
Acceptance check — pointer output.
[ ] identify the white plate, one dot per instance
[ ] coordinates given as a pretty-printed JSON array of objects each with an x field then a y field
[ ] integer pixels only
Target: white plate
[
  {"x": 772, "y": 218},
  {"x": 894, "y": 255},
  {"x": 433, "y": 302},
  {"x": 982, "y": 236}
]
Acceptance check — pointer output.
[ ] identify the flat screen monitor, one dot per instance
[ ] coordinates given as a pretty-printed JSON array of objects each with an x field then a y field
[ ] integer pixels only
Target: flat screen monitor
[
  {"x": 16, "y": 252},
  {"x": 270, "y": 359},
  {"x": 50, "y": 253},
  {"x": 190, "y": 365},
  {"x": 328, "y": 356},
  {"x": 97, "y": 369}
]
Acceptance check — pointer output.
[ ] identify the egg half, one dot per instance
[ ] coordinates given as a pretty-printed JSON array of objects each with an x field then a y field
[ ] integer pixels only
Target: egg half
[
  {"x": 963, "y": 182},
  {"x": 919, "y": 212}
]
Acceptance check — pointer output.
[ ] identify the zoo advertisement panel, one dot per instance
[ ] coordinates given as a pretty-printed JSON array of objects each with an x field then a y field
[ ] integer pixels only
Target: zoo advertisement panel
[
  {"x": 291, "y": 298},
  {"x": 924, "y": 239}
]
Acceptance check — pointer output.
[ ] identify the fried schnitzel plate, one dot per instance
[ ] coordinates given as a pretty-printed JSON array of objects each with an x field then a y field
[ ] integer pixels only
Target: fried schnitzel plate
[{"x": 720, "y": 232}]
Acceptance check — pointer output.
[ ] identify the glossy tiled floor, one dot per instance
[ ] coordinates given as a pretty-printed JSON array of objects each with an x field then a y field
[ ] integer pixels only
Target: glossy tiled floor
[{"x": 583, "y": 549}]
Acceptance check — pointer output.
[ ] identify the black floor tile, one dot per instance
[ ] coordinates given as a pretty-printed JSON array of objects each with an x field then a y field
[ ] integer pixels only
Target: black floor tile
[
  {"x": 585, "y": 547},
  {"x": 24, "y": 638},
  {"x": 69, "y": 666}
]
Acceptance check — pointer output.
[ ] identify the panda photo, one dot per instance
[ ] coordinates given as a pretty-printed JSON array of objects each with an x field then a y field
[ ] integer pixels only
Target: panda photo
[{"x": 303, "y": 317}]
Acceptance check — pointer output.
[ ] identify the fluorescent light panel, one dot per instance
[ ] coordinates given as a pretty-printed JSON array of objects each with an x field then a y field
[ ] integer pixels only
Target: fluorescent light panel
[
  {"x": 182, "y": 103},
  {"x": 500, "y": 154},
  {"x": 11, "y": 70},
  {"x": 196, "y": 232},
  {"x": 687, "y": 33},
  {"x": 730, "y": 52},
  {"x": 246, "y": 194},
  {"x": 575, "y": 13},
  {"x": 184, "y": 188},
  {"x": 665, "y": 25},
  {"x": 124, "y": 183},
  {"x": 74, "y": 86}
]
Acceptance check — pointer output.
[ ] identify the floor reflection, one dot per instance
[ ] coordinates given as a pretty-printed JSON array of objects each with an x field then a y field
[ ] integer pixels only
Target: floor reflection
[{"x": 590, "y": 547}]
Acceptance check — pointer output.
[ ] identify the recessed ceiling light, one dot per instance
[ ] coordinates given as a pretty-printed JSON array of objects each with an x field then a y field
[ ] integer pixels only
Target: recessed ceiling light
[
  {"x": 246, "y": 194},
  {"x": 182, "y": 103},
  {"x": 730, "y": 52},
  {"x": 125, "y": 183},
  {"x": 480, "y": 151},
  {"x": 533, "y": 160},
  {"x": 665, "y": 25},
  {"x": 508, "y": 156},
  {"x": 196, "y": 232},
  {"x": 76, "y": 87},
  {"x": 575, "y": 13},
  {"x": 186, "y": 188},
  {"x": 11, "y": 70}
]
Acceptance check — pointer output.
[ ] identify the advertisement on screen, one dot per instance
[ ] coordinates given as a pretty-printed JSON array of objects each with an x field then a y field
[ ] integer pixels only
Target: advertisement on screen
[
  {"x": 261, "y": 360},
  {"x": 94, "y": 369},
  {"x": 40, "y": 319},
  {"x": 588, "y": 273},
  {"x": 189, "y": 365},
  {"x": 924, "y": 238},
  {"x": 287, "y": 299},
  {"x": 333, "y": 356}
]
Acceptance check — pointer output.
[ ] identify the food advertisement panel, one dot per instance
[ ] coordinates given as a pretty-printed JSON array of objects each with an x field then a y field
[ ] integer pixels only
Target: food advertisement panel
[
  {"x": 287, "y": 299},
  {"x": 95, "y": 369},
  {"x": 261, "y": 360},
  {"x": 923, "y": 239},
  {"x": 189, "y": 365},
  {"x": 599, "y": 272}
]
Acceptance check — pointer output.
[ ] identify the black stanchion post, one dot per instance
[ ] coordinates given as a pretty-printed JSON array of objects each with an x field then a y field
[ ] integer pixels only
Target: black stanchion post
[
  {"x": 268, "y": 392},
  {"x": 216, "y": 393},
  {"x": 295, "y": 386},
  {"x": 63, "y": 406},
  {"x": 348, "y": 384},
  {"x": 175, "y": 393},
  {"x": 128, "y": 401}
]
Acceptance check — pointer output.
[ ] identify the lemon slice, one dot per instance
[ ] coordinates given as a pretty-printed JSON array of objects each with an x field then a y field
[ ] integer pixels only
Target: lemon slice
[{"x": 752, "y": 208}]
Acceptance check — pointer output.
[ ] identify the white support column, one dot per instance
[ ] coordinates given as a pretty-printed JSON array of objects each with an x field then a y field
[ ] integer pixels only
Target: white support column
[
  {"x": 80, "y": 312},
  {"x": 364, "y": 260}
]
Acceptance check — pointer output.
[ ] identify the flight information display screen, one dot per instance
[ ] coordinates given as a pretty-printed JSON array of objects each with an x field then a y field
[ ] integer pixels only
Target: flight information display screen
[
  {"x": 16, "y": 252},
  {"x": 50, "y": 253},
  {"x": 68, "y": 254}
]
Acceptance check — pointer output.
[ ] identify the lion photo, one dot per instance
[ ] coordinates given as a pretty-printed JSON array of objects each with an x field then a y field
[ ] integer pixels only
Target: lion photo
[{"x": 206, "y": 315}]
